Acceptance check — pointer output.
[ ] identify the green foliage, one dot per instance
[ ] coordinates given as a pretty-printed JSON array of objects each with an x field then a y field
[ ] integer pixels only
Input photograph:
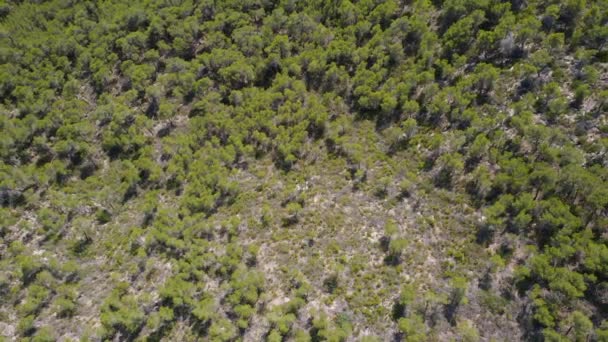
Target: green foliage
[
  {"x": 407, "y": 295},
  {"x": 44, "y": 334},
  {"x": 26, "y": 325},
  {"x": 397, "y": 246},
  {"x": 247, "y": 286},
  {"x": 602, "y": 332},
  {"x": 222, "y": 330},
  {"x": 148, "y": 142},
  {"x": 37, "y": 297},
  {"x": 324, "y": 330},
  {"x": 65, "y": 307},
  {"x": 103, "y": 216},
  {"x": 459, "y": 287},
  {"x": 120, "y": 313},
  {"x": 29, "y": 266},
  {"x": 204, "y": 310},
  {"x": 294, "y": 209},
  {"x": 467, "y": 331},
  {"x": 413, "y": 328},
  {"x": 390, "y": 227}
]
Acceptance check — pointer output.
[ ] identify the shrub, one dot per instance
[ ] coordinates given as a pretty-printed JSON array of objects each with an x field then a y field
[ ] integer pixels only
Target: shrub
[{"x": 103, "y": 216}]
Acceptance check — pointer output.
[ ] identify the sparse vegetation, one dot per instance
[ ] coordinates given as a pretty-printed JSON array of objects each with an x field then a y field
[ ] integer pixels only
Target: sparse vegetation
[{"x": 304, "y": 170}]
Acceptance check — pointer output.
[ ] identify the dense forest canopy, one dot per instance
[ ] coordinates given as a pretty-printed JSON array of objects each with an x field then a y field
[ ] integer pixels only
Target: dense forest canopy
[{"x": 304, "y": 170}]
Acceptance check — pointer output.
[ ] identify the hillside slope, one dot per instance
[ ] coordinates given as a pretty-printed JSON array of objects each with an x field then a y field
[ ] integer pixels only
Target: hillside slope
[{"x": 304, "y": 170}]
